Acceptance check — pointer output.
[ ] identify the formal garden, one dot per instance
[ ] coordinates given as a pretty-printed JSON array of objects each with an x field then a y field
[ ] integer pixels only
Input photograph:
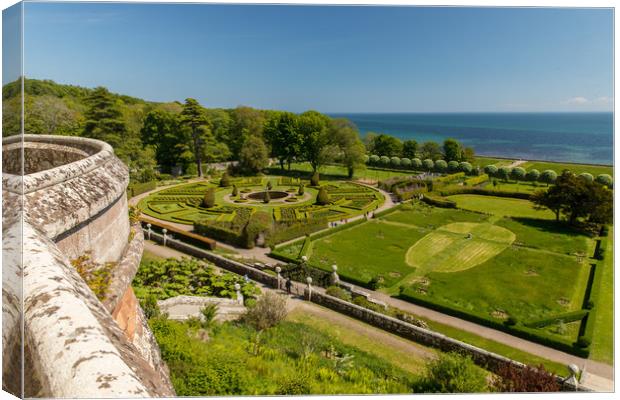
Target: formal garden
[{"x": 278, "y": 208}]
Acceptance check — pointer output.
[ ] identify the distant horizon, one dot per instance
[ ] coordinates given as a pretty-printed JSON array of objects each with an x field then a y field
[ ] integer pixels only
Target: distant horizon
[{"x": 296, "y": 57}]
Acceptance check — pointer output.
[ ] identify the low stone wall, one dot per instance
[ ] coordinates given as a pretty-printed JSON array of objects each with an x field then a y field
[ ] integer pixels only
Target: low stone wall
[
  {"x": 181, "y": 308},
  {"x": 486, "y": 359},
  {"x": 224, "y": 263}
]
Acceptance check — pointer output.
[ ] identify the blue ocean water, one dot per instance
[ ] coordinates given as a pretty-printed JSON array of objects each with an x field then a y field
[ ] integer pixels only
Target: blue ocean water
[{"x": 568, "y": 137}]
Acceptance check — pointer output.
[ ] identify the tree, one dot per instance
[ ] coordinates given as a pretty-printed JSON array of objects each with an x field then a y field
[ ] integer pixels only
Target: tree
[
  {"x": 532, "y": 175},
  {"x": 254, "y": 155},
  {"x": 517, "y": 173},
  {"x": 453, "y": 373},
  {"x": 453, "y": 166},
  {"x": 451, "y": 150},
  {"x": 314, "y": 179},
  {"x": 405, "y": 162},
  {"x": 246, "y": 122},
  {"x": 430, "y": 150},
  {"x": 576, "y": 198},
  {"x": 317, "y": 146},
  {"x": 416, "y": 163},
  {"x": 587, "y": 176},
  {"x": 209, "y": 199},
  {"x": 527, "y": 379},
  {"x": 441, "y": 166},
  {"x": 490, "y": 170},
  {"x": 283, "y": 135},
  {"x": 548, "y": 176},
  {"x": 428, "y": 164},
  {"x": 225, "y": 180},
  {"x": 374, "y": 159},
  {"x": 352, "y": 152},
  {"x": 605, "y": 179},
  {"x": 386, "y": 145},
  {"x": 103, "y": 118},
  {"x": 466, "y": 167},
  {"x": 161, "y": 129},
  {"x": 322, "y": 198},
  {"x": 410, "y": 149},
  {"x": 504, "y": 173},
  {"x": 384, "y": 160},
  {"x": 266, "y": 197},
  {"x": 395, "y": 161},
  {"x": 193, "y": 118}
]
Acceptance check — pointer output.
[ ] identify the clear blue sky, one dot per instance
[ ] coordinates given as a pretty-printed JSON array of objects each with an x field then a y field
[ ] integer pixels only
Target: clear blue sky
[{"x": 333, "y": 59}]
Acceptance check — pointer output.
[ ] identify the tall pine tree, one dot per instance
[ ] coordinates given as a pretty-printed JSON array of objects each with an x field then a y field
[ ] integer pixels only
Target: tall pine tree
[{"x": 194, "y": 119}]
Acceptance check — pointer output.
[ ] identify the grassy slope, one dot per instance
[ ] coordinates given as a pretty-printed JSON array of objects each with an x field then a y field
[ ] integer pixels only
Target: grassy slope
[
  {"x": 500, "y": 206},
  {"x": 603, "y": 341},
  {"x": 484, "y": 161},
  {"x": 576, "y": 168}
]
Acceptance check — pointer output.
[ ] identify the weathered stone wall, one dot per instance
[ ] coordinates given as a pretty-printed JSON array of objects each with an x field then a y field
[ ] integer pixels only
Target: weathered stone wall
[{"x": 180, "y": 308}]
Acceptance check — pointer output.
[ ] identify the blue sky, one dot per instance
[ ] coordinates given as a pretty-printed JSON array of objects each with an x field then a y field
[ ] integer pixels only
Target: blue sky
[{"x": 333, "y": 59}]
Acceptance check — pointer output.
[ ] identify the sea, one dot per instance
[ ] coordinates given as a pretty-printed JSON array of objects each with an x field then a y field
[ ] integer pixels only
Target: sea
[{"x": 566, "y": 137}]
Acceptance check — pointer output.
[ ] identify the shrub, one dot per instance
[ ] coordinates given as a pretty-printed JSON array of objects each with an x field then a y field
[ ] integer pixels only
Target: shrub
[
  {"x": 295, "y": 386},
  {"x": 374, "y": 159},
  {"x": 587, "y": 176},
  {"x": 416, "y": 163},
  {"x": 135, "y": 189},
  {"x": 235, "y": 191},
  {"x": 377, "y": 282},
  {"x": 339, "y": 292},
  {"x": 395, "y": 161},
  {"x": 453, "y": 166},
  {"x": 208, "y": 313},
  {"x": 385, "y": 160},
  {"x": 476, "y": 180},
  {"x": 532, "y": 175},
  {"x": 322, "y": 198},
  {"x": 269, "y": 185},
  {"x": 405, "y": 162},
  {"x": 604, "y": 179},
  {"x": 517, "y": 173},
  {"x": 583, "y": 342},
  {"x": 511, "y": 321},
  {"x": 466, "y": 167},
  {"x": 365, "y": 158},
  {"x": 150, "y": 307},
  {"x": 225, "y": 180},
  {"x": 441, "y": 165},
  {"x": 300, "y": 191},
  {"x": 548, "y": 176},
  {"x": 490, "y": 170},
  {"x": 266, "y": 197},
  {"x": 513, "y": 378},
  {"x": 268, "y": 311},
  {"x": 452, "y": 373},
  {"x": 209, "y": 200},
  {"x": 438, "y": 201},
  {"x": 428, "y": 164},
  {"x": 191, "y": 169},
  {"x": 314, "y": 179},
  {"x": 260, "y": 222}
]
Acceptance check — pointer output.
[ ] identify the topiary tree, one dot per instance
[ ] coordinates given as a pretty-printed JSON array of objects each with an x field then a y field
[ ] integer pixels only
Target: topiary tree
[
  {"x": 314, "y": 180},
  {"x": 416, "y": 163},
  {"x": 225, "y": 180},
  {"x": 300, "y": 191},
  {"x": 490, "y": 170},
  {"x": 548, "y": 176},
  {"x": 466, "y": 167},
  {"x": 428, "y": 164},
  {"x": 209, "y": 200},
  {"x": 269, "y": 185},
  {"x": 605, "y": 179},
  {"x": 453, "y": 166},
  {"x": 441, "y": 165},
  {"x": 385, "y": 160},
  {"x": 365, "y": 158},
  {"x": 587, "y": 176},
  {"x": 517, "y": 173},
  {"x": 235, "y": 191},
  {"x": 405, "y": 162},
  {"x": 395, "y": 161},
  {"x": 374, "y": 159},
  {"x": 267, "y": 197},
  {"x": 322, "y": 198},
  {"x": 532, "y": 175},
  {"x": 504, "y": 173}
]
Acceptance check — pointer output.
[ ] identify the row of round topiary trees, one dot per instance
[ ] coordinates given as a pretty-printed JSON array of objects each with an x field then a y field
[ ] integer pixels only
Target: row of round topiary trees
[
  {"x": 420, "y": 165},
  {"x": 533, "y": 175}
]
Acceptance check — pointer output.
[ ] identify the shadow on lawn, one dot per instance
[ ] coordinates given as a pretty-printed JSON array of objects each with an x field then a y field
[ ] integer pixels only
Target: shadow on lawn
[{"x": 552, "y": 226}]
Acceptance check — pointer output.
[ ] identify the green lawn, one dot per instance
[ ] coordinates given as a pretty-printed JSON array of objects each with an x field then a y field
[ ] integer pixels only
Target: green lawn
[
  {"x": 340, "y": 172},
  {"x": 515, "y": 186},
  {"x": 425, "y": 216},
  {"x": 603, "y": 340},
  {"x": 500, "y": 206},
  {"x": 576, "y": 168},
  {"x": 484, "y": 161}
]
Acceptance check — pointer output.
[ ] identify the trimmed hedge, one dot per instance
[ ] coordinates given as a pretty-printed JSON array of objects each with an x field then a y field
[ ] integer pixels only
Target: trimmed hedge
[
  {"x": 386, "y": 212},
  {"x": 516, "y": 330},
  {"x": 438, "y": 202},
  {"x": 594, "y": 299},
  {"x": 339, "y": 228},
  {"x": 476, "y": 180},
  {"x": 450, "y": 177},
  {"x": 565, "y": 317},
  {"x": 453, "y": 190},
  {"x": 135, "y": 189},
  {"x": 284, "y": 233}
]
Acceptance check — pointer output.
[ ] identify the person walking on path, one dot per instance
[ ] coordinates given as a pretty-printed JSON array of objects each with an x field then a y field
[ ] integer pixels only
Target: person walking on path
[{"x": 288, "y": 285}]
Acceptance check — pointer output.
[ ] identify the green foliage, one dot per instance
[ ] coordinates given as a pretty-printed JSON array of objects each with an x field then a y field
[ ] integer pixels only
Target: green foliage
[
  {"x": 416, "y": 163},
  {"x": 169, "y": 278},
  {"x": 438, "y": 201},
  {"x": 548, "y": 176},
  {"x": 384, "y": 160},
  {"x": 428, "y": 164},
  {"x": 385, "y": 145},
  {"x": 503, "y": 173},
  {"x": 491, "y": 170},
  {"x": 209, "y": 200},
  {"x": 453, "y": 373},
  {"x": 225, "y": 180},
  {"x": 587, "y": 176},
  {"x": 134, "y": 189},
  {"x": 605, "y": 179},
  {"x": 150, "y": 307},
  {"x": 410, "y": 149},
  {"x": 208, "y": 313},
  {"x": 518, "y": 173},
  {"x": 314, "y": 180},
  {"x": 322, "y": 197},
  {"x": 97, "y": 276},
  {"x": 253, "y": 156},
  {"x": 235, "y": 191},
  {"x": 269, "y": 311},
  {"x": 300, "y": 190},
  {"x": 339, "y": 292},
  {"x": 532, "y": 175},
  {"x": 395, "y": 161},
  {"x": 441, "y": 166},
  {"x": 466, "y": 167}
]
